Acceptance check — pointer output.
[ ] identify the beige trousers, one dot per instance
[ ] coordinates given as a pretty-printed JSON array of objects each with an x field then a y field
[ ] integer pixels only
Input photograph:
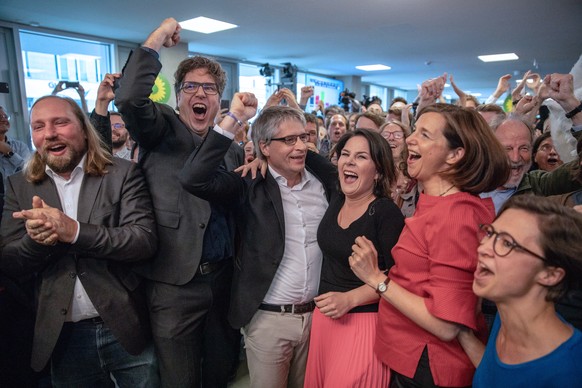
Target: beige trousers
[{"x": 276, "y": 346}]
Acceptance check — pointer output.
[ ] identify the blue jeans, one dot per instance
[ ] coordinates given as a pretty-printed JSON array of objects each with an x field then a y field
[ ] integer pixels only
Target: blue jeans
[{"x": 87, "y": 355}]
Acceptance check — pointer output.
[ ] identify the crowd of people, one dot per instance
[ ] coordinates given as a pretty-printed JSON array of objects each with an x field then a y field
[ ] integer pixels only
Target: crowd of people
[{"x": 431, "y": 245}]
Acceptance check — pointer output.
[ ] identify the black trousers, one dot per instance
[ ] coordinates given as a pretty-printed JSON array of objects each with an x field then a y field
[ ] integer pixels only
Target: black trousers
[
  {"x": 196, "y": 346},
  {"x": 16, "y": 334},
  {"x": 422, "y": 377}
]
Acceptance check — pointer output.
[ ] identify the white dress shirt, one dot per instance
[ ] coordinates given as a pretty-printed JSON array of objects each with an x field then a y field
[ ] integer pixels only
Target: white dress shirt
[
  {"x": 81, "y": 306},
  {"x": 297, "y": 278}
]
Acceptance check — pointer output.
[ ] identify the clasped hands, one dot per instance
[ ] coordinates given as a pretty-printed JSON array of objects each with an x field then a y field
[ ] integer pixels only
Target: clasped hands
[{"x": 47, "y": 225}]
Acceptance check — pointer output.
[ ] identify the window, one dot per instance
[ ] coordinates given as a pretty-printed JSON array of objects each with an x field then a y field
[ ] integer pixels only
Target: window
[
  {"x": 382, "y": 93},
  {"x": 48, "y": 59}
]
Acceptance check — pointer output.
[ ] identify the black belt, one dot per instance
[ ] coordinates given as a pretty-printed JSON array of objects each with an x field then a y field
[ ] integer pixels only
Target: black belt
[
  {"x": 211, "y": 266},
  {"x": 288, "y": 308},
  {"x": 94, "y": 321}
]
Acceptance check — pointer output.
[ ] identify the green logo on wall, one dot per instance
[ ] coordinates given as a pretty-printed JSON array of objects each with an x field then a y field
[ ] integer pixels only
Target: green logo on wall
[{"x": 161, "y": 90}]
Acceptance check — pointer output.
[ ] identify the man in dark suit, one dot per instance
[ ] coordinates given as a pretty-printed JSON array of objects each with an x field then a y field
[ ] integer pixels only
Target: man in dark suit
[
  {"x": 279, "y": 262},
  {"x": 190, "y": 276},
  {"x": 89, "y": 219}
]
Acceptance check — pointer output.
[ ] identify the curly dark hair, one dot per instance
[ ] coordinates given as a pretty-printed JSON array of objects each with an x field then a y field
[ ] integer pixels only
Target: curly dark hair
[{"x": 200, "y": 62}]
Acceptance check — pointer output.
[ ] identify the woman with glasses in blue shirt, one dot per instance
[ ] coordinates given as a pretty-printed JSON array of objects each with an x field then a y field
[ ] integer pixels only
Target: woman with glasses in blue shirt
[{"x": 528, "y": 257}]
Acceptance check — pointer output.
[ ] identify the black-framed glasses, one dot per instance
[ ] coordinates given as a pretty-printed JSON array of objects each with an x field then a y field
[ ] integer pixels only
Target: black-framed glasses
[
  {"x": 192, "y": 87},
  {"x": 118, "y": 125},
  {"x": 291, "y": 140},
  {"x": 504, "y": 243},
  {"x": 5, "y": 117}
]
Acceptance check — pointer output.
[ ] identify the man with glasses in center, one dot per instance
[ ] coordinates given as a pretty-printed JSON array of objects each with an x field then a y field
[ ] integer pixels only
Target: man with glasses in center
[
  {"x": 278, "y": 266},
  {"x": 190, "y": 276}
]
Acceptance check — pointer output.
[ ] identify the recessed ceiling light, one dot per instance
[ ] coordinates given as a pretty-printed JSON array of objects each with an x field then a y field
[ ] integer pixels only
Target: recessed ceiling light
[
  {"x": 373, "y": 67},
  {"x": 206, "y": 25},
  {"x": 498, "y": 57}
]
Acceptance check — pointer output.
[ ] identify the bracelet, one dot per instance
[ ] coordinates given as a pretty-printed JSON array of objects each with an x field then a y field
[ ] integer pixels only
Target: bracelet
[
  {"x": 231, "y": 115},
  {"x": 574, "y": 112}
]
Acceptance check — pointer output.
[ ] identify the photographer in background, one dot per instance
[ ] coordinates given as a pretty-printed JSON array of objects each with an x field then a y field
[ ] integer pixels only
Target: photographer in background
[
  {"x": 348, "y": 101},
  {"x": 76, "y": 85}
]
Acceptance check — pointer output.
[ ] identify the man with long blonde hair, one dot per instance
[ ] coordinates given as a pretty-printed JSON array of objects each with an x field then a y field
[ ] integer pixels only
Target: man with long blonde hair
[{"x": 88, "y": 219}]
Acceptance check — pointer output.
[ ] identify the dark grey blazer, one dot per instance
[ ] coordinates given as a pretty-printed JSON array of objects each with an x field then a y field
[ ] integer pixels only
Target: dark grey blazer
[
  {"x": 166, "y": 144},
  {"x": 117, "y": 229},
  {"x": 260, "y": 218}
]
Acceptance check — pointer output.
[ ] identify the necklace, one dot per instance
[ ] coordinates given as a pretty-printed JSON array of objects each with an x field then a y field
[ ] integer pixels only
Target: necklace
[{"x": 446, "y": 191}]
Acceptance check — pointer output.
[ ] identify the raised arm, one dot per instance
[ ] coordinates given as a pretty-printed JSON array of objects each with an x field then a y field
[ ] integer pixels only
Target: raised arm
[
  {"x": 100, "y": 115},
  {"x": 458, "y": 91},
  {"x": 166, "y": 35},
  {"x": 202, "y": 174},
  {"x": 560, "y": 87},
  {"x": 145, "y": 120},
  {"x": 503, "y": 86},
  {"x": 431, "y": 90},
  {"x": 306, "y": 93}
]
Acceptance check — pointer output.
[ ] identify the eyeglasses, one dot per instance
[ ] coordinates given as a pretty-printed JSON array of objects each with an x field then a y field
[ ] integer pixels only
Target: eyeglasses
[
  {"x": 546, "y": 148},
  {"x": 118, "y": 125},
  {"x": 395, "y": 135},
  {"x": 291, "y": 140},
  {"x": 4, "y": 117},
  {"x": 192, "y": 87},
  {"x": 504, "y": 243}
]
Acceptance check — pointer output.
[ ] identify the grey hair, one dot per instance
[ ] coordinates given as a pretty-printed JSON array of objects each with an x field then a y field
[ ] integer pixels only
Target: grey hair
[{"x": 267, "y": 124}]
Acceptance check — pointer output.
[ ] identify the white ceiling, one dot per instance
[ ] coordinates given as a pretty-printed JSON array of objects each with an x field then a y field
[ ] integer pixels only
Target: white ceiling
[{"x": 419, "y": 39}]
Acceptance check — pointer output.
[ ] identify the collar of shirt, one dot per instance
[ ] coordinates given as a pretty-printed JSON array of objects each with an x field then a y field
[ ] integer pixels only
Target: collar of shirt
[
  {"x": 76, "y": 171},
  {"x": 282, "y": 181}
]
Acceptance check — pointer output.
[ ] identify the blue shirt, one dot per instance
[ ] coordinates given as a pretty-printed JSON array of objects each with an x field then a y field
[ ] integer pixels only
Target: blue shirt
[
  {"x": 14, "y": 164},
  {"x": 499, "y": 197},
  {"x": 560, "y": 368}
]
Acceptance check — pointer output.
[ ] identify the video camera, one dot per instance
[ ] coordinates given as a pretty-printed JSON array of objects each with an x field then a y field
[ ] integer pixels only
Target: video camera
[{"x": 347, "y": 99}]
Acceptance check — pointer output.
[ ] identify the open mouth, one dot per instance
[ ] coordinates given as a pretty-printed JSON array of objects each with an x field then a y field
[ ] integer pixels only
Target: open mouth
[
  {"x": 298, "y": 158},
  {"x": 552, "y": 161},
  {"x": 199, "y": 110},
  {"x": 56, "y": 148},
  {"x": 413, "y": 156},
  {"x": 482, "y": 271},
  {"x": 516, "y": 169},
  {"x": 350, "y": 177}
]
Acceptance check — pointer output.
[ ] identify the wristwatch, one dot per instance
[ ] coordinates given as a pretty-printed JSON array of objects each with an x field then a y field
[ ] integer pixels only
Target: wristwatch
[
  {"x": 383, "y": 287},
  {"x": 9, "y": 154}
]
